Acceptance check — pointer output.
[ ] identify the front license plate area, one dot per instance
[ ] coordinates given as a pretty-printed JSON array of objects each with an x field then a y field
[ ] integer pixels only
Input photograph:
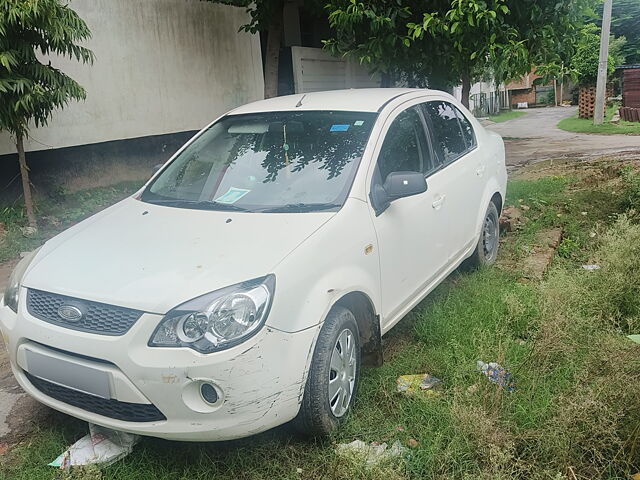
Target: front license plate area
[{"x": 68, "y": 374}]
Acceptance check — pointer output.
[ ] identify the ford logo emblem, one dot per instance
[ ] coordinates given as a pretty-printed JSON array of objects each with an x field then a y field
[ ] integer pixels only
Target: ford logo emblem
[{"x": 69, "y": 313}]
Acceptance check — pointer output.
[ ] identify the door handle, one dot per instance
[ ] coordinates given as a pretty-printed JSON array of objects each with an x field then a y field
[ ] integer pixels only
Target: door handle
[
  {"x": 480, "y": 170},
  {"x": 437, "y": 203}
]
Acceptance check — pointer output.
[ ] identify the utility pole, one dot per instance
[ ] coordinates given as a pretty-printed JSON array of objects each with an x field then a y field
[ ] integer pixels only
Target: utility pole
[{"x": 603, "y": 66}]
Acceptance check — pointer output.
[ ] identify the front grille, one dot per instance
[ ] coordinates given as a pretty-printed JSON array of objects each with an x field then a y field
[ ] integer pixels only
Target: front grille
[
  {"x": 97, "y": 317},
  {"x": 125, "y": 411}
]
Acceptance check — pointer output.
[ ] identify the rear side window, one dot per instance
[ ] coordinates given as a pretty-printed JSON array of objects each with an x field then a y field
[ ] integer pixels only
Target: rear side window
[
  {"x": 467, "y": 130},
  {"x": 452, "y": 138}
]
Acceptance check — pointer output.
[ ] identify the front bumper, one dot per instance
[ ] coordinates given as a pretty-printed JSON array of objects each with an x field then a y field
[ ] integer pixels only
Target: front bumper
[{"x": 260, "y": 382}]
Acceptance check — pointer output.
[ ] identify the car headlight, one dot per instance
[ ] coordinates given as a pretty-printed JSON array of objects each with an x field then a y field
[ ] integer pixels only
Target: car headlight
[
  {"x": 217, "y": 320},
  {"x": 12, "y": 293}
]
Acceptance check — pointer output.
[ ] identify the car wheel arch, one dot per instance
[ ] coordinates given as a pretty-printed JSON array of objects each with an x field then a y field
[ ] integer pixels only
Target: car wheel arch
[
  {"x": 496, "y": 199},
  {"x": 492, "y": 194},
  {"x": 363, "y": 309}
]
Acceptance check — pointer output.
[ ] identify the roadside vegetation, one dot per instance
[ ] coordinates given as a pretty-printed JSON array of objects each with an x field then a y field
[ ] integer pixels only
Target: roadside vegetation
[
  {"x": 585, "y": 125},
  {"x": 56, "y": 213},
  {"x": 506, "y": 116},
  {"x": 574, "y": 413}
]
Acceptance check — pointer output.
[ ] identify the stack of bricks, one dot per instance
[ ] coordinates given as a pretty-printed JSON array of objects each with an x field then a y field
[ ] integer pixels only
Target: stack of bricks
[{"x": 587, "y": 101}]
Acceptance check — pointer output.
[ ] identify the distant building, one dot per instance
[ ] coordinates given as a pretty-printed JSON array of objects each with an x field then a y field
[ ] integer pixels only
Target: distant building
[{"x": 530, "y": 91}]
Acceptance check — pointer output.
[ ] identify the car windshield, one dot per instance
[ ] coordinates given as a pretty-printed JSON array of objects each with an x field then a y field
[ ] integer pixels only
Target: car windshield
[{"x": 267, "y": 162}]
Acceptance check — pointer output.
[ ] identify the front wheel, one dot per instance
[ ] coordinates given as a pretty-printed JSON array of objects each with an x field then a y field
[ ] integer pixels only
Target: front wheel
[
  {"x": 333, "y": 376},
  {"x": 486, "y": 251}
]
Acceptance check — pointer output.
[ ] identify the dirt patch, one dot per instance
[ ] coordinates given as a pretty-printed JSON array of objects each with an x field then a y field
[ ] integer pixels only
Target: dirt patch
[
  {"x": 535, "y": 137},
  {"x": 591, "y": 170},
  {"x": 512, "y": 219},
  {"x": 541, "y": 253}
]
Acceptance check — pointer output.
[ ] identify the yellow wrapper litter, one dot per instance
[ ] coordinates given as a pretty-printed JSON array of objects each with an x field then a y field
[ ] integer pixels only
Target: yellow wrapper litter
[{"x": 421, "y": 383}]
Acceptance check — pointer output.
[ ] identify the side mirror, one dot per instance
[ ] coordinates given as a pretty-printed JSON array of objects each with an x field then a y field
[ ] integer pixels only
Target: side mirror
[
  {"x": 397, "y": 185},
  {"x": 404, "y": 184}
]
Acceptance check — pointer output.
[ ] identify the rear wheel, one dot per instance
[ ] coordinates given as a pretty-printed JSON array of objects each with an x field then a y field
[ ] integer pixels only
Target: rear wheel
[
  {"x": 486, "y": 251},
  {"x": 333, "y": 376}
]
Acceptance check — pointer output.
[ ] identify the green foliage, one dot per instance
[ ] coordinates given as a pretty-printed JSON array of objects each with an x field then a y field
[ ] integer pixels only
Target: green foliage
[
  {"x": 448, "y": 41},
  {"x": 568, "y": 247},
  {"x": 631, "y": 179},
  {"x": 625, "y": 22},
  {"x": 587, "y": 57},
  {"x": 506, "y": 116},
  {"x": 376, "y": 34},
  {"x": 56, "y": 215},
  {"x": 584, "y": 125},
  {"x": 472, "y": 35},
  {"x": 29, "y": 89}
]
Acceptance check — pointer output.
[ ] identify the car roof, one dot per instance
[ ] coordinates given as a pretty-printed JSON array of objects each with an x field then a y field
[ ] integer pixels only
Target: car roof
[{"x": 355, "y": 100}]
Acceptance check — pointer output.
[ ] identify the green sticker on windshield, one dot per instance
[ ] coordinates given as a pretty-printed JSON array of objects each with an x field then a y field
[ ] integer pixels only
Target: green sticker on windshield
[
  {"x": 358, "y": 123},
  {"x": 232, "y": 195}
]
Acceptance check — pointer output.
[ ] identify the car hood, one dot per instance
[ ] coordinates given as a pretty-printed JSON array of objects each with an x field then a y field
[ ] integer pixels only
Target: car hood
[{"x": 153, "y": 258}]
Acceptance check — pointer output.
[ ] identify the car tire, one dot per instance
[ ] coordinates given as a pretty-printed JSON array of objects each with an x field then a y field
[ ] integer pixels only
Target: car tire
[
  {"x": 486, "y": 251},
  {"x": 324, "y": 404}
]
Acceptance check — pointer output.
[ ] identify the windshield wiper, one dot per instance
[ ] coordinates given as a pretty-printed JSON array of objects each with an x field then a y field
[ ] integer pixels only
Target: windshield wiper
[
  {"x": 302, "y": 207},
  {"x": 199, "y": 205}
]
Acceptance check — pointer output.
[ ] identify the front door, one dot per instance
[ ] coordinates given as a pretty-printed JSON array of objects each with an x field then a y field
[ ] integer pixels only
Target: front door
[{"x": 411, "y": 238}]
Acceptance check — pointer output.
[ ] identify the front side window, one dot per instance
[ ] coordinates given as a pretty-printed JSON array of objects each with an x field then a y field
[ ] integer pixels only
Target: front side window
[
  {"x": 448, "y": 138},
  {"x": 267, "y": 162},
  {"x": 405, "y": 146}
]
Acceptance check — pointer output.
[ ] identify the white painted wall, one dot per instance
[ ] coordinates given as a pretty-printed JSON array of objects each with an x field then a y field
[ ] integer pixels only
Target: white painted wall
[
  {"x": 162, "y": 66},
  {"x": 479, "y": 87}
]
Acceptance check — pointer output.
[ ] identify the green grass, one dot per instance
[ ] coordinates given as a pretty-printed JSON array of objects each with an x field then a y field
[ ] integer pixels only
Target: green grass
[
  {"x": 583, "y": 125},
  {"x": 506, "y": 116},
  {"x": 577, "y": 376},
  {"x": 55, "y": 215}
]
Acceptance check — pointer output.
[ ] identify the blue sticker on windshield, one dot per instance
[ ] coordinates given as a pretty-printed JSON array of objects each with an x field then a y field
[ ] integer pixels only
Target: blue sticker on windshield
[
  {"x": 232, "y": 195},
  {"x": 339, "y": 128}
]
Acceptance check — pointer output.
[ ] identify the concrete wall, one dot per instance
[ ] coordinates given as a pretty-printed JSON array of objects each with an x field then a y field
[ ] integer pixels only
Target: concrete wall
[{"x": 162, "y": 66}]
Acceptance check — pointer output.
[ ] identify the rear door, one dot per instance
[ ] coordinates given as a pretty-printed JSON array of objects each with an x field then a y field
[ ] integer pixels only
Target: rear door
[
  {"x": 412, "y": 238},
  {"x": 462, "y": 171}
]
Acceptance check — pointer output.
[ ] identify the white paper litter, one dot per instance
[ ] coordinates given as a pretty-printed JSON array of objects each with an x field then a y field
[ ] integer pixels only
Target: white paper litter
[
  {"x": 372, "y": 454},
  {"x": 101, "y": 446},
  {"x": 591, "y": 267}
]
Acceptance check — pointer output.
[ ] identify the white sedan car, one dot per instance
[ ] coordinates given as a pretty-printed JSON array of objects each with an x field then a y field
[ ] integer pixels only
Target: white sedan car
[{"x": 248, "y": 281}]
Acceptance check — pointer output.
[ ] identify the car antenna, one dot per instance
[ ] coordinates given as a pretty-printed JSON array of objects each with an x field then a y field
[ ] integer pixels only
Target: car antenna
[{"x": 299, "y": 104}]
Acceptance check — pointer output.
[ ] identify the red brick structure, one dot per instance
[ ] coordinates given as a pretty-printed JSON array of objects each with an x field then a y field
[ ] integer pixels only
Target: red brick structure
[
  {"x": 587, "y": 100},
  {"x": 630, "y": 110},
  {"x": 527, "y": 90}
]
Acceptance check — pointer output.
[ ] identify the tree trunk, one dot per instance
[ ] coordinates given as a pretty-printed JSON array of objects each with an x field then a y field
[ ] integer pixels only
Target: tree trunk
[
  {"x": 466, "y": 89},
  {"x": 272, "y": 56},
  {"x": 26, "y": 186}
]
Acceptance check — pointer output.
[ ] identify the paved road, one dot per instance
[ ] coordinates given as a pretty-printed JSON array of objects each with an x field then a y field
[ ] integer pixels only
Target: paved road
[{"x": 535, "y": 137}]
